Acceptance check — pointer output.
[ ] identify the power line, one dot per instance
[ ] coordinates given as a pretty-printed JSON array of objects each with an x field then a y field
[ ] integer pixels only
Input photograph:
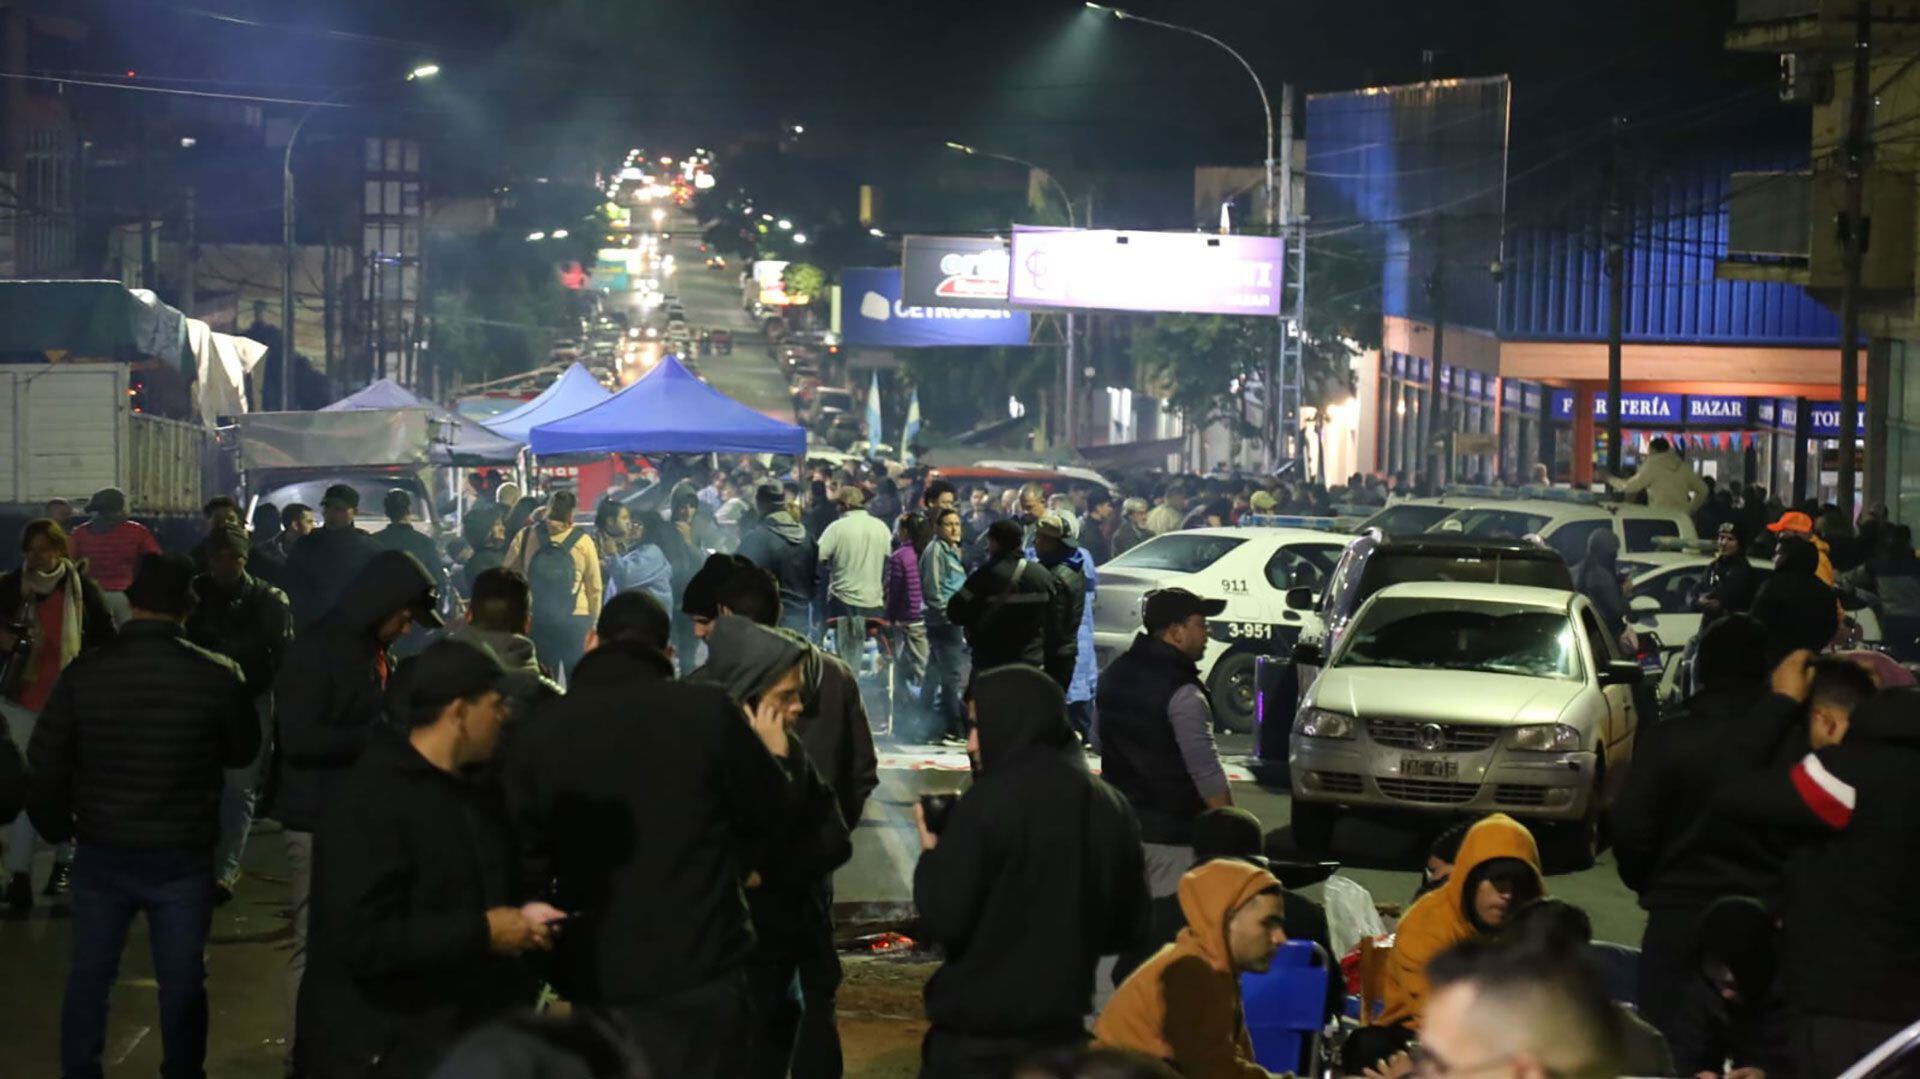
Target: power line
[{"x": 175, "y": 91}]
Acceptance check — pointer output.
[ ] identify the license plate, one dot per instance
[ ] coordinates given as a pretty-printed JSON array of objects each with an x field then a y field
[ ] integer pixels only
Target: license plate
[{"x": 1429, "y": 767}]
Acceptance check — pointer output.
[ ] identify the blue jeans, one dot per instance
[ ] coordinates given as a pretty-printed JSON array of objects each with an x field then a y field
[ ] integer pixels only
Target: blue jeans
[
  {"x": 850, "y": 630},
  {"x": 942, "y": 689},
  {"x": 174, "y": 888},
  {"x": 237, "y": 800}
]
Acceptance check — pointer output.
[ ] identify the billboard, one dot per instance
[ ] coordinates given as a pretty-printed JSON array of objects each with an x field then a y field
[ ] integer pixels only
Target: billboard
[
  {"x": 954, "y": 271},
  {"x": 1113, "y": 270},
  {"x": 873, "y": 315},
  {"x": 772, "y": 288}
]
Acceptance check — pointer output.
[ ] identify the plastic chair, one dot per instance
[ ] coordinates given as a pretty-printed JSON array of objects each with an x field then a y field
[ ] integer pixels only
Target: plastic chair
[
  {"x": 1286, "y": 1008},
  {"x": 1620, "y": 967}
]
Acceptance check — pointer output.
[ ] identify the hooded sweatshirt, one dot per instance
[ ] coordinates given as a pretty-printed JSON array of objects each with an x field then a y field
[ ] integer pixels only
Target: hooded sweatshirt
[
  {"x": 1438, "y": 920},
  {"x": 1597, "y": 577},
  {"x": 780, "y": 545},
  {"x": 513, "y": 650},
  {"x": 1669, "y": 481},
  {"x": 1038, "y": 873},
  {"x": 1183, "y": 1005}
]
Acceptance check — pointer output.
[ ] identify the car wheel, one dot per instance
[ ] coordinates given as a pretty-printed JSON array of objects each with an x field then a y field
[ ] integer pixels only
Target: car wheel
[
  {"x": 1311, "y": 826},
  {"x": 1572, "y": 846},
  {"x": 1232, "y": 689}
]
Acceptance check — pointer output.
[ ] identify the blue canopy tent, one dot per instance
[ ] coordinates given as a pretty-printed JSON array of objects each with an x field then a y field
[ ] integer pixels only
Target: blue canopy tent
[
  {"x": 576, "y": 390},
  {"x": 471, "y": 443},
  {"x": 668, "y": 411}
]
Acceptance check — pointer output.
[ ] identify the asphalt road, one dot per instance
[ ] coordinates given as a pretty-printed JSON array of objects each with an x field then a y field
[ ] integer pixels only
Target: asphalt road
[{"x": 712, "y": 301}]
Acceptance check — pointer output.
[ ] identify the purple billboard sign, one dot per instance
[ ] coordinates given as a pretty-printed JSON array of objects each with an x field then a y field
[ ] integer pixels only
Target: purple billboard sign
[{"x": 1111, "y": 270}]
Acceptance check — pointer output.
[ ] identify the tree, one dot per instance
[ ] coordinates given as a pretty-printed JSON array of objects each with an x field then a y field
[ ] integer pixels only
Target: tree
[
  {"x": 802, "y": 279},
  {"x": 1343, "y": 313},
  {"x": 497, "y": 303},
  {"x": 1203, "y": 363}
]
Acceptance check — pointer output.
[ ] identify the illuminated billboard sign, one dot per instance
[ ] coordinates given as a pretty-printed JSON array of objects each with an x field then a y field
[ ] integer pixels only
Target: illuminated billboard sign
[
  {"x": 873, "y": 314},
  {"x": 1113, "y": 270},
  {"x": 954, "y": 271}
]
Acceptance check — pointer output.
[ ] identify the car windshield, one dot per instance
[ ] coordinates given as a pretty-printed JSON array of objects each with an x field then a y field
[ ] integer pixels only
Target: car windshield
[
  {"x": 1463, "y": 635},
  {"x": 1178, "y": 553},
  {"x": 373, "y": 492},
  {"x": 1491, "y": 523},
  {"x": 1390, "y": 567},
  {"x": 1406, "y": 518}
]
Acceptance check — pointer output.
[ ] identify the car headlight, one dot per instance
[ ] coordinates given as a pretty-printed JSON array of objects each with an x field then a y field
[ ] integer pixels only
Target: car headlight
[
  {"x": 1320, "y": 723},
  {"x": 1546, "y": 738}
]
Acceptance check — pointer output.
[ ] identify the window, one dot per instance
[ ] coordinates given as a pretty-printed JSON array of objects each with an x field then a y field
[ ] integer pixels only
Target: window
[
  {"x": 1302, "y": 565},
  {"x": 1462, "y": 635},
  {"x": 1406, "y": 518},
  {"x": 1491, "y": 524},
  {"x": 1178, "y": 553},
  {"x": 1673, "y": 590},
  {"x": 1570, "y": 539},
  {"x": 1604, "y": 649},
  {"x": 1641, "y": 531}
]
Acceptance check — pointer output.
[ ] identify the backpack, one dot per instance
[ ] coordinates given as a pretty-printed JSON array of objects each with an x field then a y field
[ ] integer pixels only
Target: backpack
[{"x": 551, "y": 577}]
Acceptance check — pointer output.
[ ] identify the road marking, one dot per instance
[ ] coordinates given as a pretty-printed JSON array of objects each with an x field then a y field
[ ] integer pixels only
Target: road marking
[{"x": 133, "y": 1042}]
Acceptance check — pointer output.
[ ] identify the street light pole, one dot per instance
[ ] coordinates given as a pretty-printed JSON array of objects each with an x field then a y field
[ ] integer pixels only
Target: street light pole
[
  {"x": 287, "y": 351},
  {"x": 1278, "y": 209},
  {"x": 1071, "y": 353}
]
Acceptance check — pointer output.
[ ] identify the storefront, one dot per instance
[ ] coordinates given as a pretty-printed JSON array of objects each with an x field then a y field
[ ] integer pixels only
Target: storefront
[
  {"x": 1716, "y": 432},
  {"x": 1784, "y": 443}
]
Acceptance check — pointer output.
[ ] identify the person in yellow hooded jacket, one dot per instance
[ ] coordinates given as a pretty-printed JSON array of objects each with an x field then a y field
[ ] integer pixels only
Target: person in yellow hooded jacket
[
  {"x": 1183, "y": 1005},
  {"x": 1496, "y": 872}
]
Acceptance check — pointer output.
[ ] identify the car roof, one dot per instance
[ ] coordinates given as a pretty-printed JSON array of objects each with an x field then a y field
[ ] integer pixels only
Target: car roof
[
  {"x": 1662, "y": 561},
  {"x": 1285, "y": 535},
  {"x": 1454, "y": 543},
  {"x": 1526, "y": 595}
]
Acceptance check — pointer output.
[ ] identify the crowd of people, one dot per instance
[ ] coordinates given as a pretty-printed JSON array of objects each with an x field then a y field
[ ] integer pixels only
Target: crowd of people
[{"x": 622, "y": 761}]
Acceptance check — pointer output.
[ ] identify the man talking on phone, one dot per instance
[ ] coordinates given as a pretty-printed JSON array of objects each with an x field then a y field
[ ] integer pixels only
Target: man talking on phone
[{"x": 420, "y": 918}]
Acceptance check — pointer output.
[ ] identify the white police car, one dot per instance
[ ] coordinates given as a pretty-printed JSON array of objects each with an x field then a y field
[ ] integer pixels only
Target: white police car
[{"x": 1251, "y": 567}]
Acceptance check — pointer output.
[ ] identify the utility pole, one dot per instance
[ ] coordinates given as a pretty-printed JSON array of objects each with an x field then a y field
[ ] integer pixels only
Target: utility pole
[
  {"x": 1853, "y": 235},
  {"x": 1616, "y": 293},
  {"x": 1283, "y": 392},
  {"x": 1437, "y": 293},
  {"x": 189, "y": 283}
]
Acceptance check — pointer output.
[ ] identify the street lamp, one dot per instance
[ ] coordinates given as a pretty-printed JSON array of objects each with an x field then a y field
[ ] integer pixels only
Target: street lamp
[
  {"x": 287, "y": 363},
  {"x": 1072, "y": 362}
]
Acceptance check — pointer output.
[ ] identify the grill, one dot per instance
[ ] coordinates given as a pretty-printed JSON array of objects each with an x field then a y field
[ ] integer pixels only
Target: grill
[
  {"x": 1430, "y": 791},
  {"x": 1519, "y": 794},
  {"x": 1339, "y": 782},
  {"x": 1454, "y": 737}
]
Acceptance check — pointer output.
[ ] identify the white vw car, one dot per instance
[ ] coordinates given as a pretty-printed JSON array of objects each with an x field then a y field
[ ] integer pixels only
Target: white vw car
[{"x": 1466, "y": 699}]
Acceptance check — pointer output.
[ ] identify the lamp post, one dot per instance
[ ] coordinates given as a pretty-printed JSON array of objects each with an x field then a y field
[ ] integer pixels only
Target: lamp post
[
  {"x": 287, "y": 351},
  {"x": 1279, "y": 209},
  {"x": 1072, "y": 362}
]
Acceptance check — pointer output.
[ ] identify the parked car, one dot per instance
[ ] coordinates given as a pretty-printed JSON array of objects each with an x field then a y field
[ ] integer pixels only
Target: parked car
[{"x": 1452, "y": 699}]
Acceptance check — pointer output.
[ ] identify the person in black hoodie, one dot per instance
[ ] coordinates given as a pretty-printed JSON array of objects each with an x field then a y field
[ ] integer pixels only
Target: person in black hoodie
[
  {"x": 640, "y": 823},
  {"x": 779, "y": 544},
  {"x": 1729, "y": 1017},
  {"x": 13, "y": 778},
  {"x": 327, "y": 705},
  {"x": 791, "y": 916},
  {"x": 1671, "y": 847},
  {"x": 1008, "y": 607},
  {"x": 322, "y": 563},
  {"x": 420, "y": 916},
  {"x": 1850, "y": 941},
  {"x": 1035, "y": 875},
  {"x": 126, "y": 761}
]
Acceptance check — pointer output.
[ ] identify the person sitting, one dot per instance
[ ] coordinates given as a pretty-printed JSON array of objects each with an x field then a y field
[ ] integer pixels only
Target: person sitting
[
  {"x": 1183, "y": 1005},
  {"x": 1558, "y": 927},
  {"x": 1441, "y": 854},
  {"x": 1502, "y": 1010},
  {"x": 1729, "y": 1019}
]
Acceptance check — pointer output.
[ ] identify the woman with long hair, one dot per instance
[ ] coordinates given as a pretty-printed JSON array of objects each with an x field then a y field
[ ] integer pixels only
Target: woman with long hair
[{"x": 52, "y": 612}]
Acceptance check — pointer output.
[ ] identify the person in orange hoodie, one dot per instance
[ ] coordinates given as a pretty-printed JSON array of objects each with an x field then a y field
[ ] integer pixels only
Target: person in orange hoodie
[
  {"x": 1183, "y": 1005},
  {"x": 1497, "y": 871}
]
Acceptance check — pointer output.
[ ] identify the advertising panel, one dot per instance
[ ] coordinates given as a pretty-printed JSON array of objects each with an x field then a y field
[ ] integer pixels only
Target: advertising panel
[
  {"x": 954, "y": 271},
  {"x": 1112, "y": 270},
  {"x": 873, "y": 315},
  {"x": 766, "y": 275}
]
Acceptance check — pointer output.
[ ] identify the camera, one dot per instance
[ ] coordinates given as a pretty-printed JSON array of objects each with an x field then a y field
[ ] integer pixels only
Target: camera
[{"x": 936, "y": 808}]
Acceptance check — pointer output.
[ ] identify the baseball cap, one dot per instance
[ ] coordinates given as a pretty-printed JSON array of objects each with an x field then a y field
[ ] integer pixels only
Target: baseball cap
[
  {"x": 1229, "y": 832},
  {"x": 343, "y": 494},
  {"x": 1053, "y": 526},
  {"x": 231, "y": 539},
  {"x": 1792, "y": 522},
  {"x": 1261, "y": 502},
  {"x": 1728, "y": 528},
  {"x": 769, "y": 497},
  {"x": 850, "y": 496},
  {"x": 163, "y": 584},
  {"x": 1166, "y": 606},
  {"x": 448, "y": 670},
  {"x": 108, "y": 500}
]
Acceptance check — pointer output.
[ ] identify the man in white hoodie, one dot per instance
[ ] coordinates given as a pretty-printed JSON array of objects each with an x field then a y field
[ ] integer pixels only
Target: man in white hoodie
[{"x": 1670, "y": 483}]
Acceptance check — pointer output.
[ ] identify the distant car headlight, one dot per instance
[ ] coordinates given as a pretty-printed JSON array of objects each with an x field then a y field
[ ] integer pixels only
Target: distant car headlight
[
  {"x": 1546, "y": 738},
  {"x": 1320, "y": 723}
]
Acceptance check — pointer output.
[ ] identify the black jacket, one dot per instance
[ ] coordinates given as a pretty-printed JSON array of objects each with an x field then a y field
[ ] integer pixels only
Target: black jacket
[
  {"x": 319, "y": 567},
  {"x": 836, "y": 733},
  {"x": 327, "y": 694},
  {"x": 778, "y": 544},
  {"x": 1671, "y": 846},
  {"x": 1732, "y": 583},
  {"x": 1128, "y": 536},
  {"x": 131, "y": 749},
  {"x": 811, "y": 841},
  {"x": 405, "y": 537},
  {"x": 13, "y": 778},
  {"x": 96, "y": 621},
  {"x": 1069, "y": 606},
  {"x": 406, "y": 864},
  {"x": 250, "y": 624},
  {"x": 1022, "y": 628},
  {"x": 1851, "y": 932},
  {"x": 1139, "y": 754},
  {"x": 1038, "y": 873},
  {"x": 638, "y": 797}
]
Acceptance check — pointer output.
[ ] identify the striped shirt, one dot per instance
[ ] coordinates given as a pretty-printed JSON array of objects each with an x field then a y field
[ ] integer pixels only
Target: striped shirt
[{"x": 111, "y": 554}]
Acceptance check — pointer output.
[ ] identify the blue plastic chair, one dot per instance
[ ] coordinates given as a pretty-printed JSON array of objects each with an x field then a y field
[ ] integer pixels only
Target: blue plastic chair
[
  {"x": 1620, "y": 966},
  {"x": 1286, "y": 1008}
]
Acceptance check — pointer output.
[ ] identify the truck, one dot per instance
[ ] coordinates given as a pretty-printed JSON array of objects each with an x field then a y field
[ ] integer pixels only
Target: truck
[{"x": 69, "y": 429}]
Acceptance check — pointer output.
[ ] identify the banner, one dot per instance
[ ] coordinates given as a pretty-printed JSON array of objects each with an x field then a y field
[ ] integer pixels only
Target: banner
[
  {"x": 873, "y": 315},
  {"x": 1113, "y": 270},
  {"x": 953, "y": 271}
]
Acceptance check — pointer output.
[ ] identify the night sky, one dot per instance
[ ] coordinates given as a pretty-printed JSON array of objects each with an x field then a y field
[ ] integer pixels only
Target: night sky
[{"x": 1042, "y": 78}]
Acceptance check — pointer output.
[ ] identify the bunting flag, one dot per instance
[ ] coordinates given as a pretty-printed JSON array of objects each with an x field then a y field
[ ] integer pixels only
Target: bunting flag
[
  {"x": 873, "y": 415},
  {"x": 912, "y": 430}
]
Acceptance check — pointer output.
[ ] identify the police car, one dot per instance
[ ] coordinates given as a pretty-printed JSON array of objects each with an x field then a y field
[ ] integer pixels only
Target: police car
[
  {"x": 1562, "y": 517},
  {"x": 1251, "y": 567}
]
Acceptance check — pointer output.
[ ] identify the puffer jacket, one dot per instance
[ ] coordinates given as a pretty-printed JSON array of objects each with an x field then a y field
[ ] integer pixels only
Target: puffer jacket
[
  {"x": 328, "y": 694},
  {"x": 131, "y": 749},
  {"x": 250, "y": 624}
]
